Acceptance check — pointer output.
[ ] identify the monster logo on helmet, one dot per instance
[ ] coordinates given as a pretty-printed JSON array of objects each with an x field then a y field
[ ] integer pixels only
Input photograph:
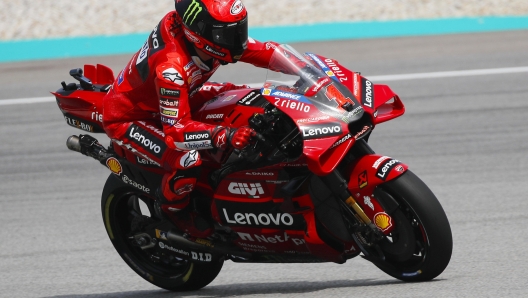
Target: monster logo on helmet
[
  {"x": 219, "y": 28},
  {"x": 193, "y": 10}
]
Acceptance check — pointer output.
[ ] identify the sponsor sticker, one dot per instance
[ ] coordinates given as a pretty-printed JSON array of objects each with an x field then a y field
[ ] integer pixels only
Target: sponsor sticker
[
  {"x": 214, "y": 116},
  {"x": 170, "y": 92},
  {"x": 368, "y": 202},
  {"x": 121, "y": 78},
  {"x": 367, "y": 98},
  {"x": 221, "y": 139},
  {"x": 189, "y": 159},
  {"x": 385, "y": 168},
  {"x": 286, "y": 95},
  {"x": 260, "y": 173},
  {"x": 185, "y": 189},
  {"x": 379, "y": 161},
  {"x": 360, "y": 134},
  {"x": 363, "y": 179},
  {"x": 129, "y": 181},
  {"x": 252, "y": 190},
  {"x": 313, "y": 119},
  {"x": 198, "y": 145},
  {"x": 382, "y": 221},
  {"x": 169, "y": 121},
  {"x": 143, "y": 53},
  {"x": 315, "y": 131},
  {"x": 237, "y": 7},
  {"x": 191, "y": 37},
  {"x": 172, "y": 75},
  {"x": 318, "y": 61},
  {"x": 190, "y": 64},
  {"x": 259, "y": 219},
  {"x": 214, "y": 52},
  {"x": 320, "y": 84},
  {"x": 228, "y": 98},
  {"x": 197, "y": 136},
  {"x": 340, "y": 142},
  {"x": 192, "y": 12},
  {"x": 249, "y": 98},
  {"x": 170, "y": 248},
  {"x": 171, "y": 113},
  {"x": 169, "y": 102},
  {"x": 78, "y": 124},
  {"x": 292, "y": 104},
  {"x": 97, "y": 117},
  {"x": 357, "y": 83},
  {"x": 270, "y": 238},
  {"x": 144, "y": 162},
  {"x": 201, "y": 256},
  {"x": 338, "y": 73},
  {"x": 146, "y": 140},
  {"x": 114, "y": 166}
]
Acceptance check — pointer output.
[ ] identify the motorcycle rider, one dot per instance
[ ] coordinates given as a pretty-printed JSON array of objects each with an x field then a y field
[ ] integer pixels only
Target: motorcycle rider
[{"x": 147, "y": 112}]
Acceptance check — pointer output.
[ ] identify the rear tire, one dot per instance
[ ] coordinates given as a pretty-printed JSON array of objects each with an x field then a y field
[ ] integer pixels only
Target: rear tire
[
  {"x": 122, "y": 216},
  {"x": 422, "y": 242}
]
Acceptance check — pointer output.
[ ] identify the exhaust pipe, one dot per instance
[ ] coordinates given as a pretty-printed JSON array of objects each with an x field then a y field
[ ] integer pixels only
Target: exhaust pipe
[
  {"x": 178, "y": 240},
  {"x": 74, "y": 143},
  {"x": 89, "y": 146}
]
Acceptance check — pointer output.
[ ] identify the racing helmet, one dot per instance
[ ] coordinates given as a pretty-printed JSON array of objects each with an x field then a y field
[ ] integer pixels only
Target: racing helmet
[{"x": 217, "y": 27}]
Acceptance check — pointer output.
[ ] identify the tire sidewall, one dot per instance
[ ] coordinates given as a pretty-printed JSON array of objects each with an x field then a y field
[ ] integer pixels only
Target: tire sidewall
[
  {"x": 410, "y": 190},
  {"x": 192, "y": 278}
]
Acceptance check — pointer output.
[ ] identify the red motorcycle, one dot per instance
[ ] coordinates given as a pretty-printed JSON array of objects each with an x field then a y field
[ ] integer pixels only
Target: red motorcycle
[{"x": 308, "y": 189}]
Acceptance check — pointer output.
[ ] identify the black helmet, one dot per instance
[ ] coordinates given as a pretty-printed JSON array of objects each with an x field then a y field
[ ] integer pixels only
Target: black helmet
[{"x": 217, "y": 27}]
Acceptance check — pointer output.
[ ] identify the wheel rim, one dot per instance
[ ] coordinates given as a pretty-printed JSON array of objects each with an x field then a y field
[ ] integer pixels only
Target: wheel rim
[
  {"x": 129, "y": 216},
  {"x": 406, "y": 221}
]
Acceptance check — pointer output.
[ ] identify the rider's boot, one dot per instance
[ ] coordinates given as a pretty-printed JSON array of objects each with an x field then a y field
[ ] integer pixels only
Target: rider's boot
[{"x": 185, "y": 217}]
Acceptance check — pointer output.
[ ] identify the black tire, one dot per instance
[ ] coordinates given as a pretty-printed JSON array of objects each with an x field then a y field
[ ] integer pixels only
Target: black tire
[
  {"x": 422, "y": 242},
  {"x": 119, "y": 205}
]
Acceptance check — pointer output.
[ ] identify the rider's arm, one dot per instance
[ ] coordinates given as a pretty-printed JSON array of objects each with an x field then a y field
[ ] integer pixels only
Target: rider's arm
[
  {"x": 259, "y": 53},
  {"x": 181, "y": 132}
]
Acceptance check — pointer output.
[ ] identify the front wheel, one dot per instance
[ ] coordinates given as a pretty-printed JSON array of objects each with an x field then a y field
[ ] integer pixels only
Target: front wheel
[
  {"x": 420, "y": 246},
  {"x": 128, "y": 213}
]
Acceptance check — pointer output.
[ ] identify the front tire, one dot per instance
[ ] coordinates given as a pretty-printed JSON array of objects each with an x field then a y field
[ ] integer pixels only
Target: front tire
[
  {"x": 421, "y": 243},
  {"x": 126, "y": 211}
]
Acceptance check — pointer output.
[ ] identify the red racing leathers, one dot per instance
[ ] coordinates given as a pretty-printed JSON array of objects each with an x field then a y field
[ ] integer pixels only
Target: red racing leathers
[{"x": 148, "y": 109}]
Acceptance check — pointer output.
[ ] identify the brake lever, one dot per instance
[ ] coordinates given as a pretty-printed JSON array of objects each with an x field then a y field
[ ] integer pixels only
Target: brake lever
[{"x": 252, "y": 149}]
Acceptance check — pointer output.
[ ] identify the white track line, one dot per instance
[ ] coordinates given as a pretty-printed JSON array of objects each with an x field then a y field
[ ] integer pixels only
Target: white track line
[
  {"x": 386, "y": 78},
  {"x": 448, "y": 74}
]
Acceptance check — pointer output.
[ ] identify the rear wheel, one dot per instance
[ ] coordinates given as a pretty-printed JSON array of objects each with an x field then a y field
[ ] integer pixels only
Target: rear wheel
[
  {"x": 420, "y": 246},
  {"x": 127, "y": 215}
]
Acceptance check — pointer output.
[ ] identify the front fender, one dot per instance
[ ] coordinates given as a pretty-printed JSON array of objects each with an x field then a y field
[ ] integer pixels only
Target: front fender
[
  {"x": 365, "y": 174},
  {"x": 372, "y": 170}
]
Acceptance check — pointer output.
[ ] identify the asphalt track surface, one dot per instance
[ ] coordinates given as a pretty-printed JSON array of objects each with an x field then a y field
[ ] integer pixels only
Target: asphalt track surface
[{"x": 466, "y": 137}]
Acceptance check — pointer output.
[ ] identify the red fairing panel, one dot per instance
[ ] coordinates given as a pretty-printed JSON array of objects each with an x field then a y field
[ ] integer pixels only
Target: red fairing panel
[
  {"x": 387, "y": 104},
  {"x": 366, "y": 174}
]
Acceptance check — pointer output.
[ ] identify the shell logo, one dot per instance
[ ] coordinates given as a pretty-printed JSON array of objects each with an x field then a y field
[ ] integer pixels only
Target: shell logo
[
  {"x": 114, "y": 166},
  {"x": 382, "y": 221}
]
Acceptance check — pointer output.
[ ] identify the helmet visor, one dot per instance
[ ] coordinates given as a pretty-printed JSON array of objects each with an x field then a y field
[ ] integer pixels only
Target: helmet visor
[{"x": 231, "y": 36}]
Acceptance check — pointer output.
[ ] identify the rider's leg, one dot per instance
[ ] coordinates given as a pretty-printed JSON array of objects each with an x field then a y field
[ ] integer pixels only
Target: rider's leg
[{"x": 182, "y": 171}]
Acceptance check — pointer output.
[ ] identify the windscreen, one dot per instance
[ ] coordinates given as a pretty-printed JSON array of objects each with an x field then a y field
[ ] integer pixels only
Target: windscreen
[{"x": 298, "y": 77}]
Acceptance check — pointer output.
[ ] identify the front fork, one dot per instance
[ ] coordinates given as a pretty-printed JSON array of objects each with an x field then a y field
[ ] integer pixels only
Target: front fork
[{"x": 365, "y": 172}]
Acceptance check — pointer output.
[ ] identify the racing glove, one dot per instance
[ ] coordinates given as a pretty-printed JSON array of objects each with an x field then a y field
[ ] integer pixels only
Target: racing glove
[
  {"x": 237, "y": 138},
  {"x": 241, "y": 137}
]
